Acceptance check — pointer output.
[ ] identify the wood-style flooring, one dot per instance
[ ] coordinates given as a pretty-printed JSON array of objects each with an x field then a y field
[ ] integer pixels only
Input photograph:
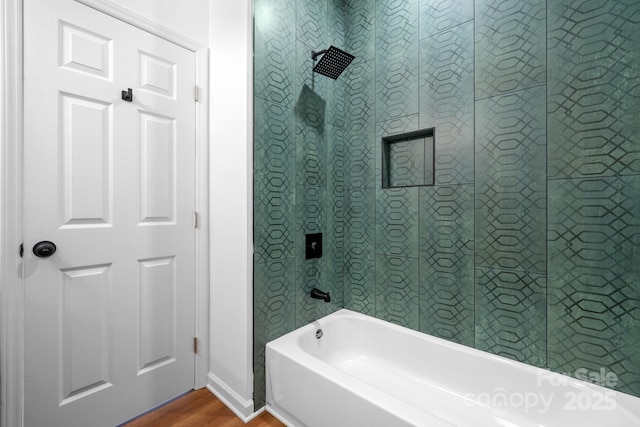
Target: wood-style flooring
[{"x": 198, "y": 408}]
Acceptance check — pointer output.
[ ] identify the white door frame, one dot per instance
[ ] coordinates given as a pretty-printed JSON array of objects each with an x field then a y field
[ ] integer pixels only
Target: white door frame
[{"x": 11, "y": 161}]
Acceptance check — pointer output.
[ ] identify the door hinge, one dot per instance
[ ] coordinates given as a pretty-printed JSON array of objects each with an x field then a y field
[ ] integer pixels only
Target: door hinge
[
  {"x": 195, "y": 345},
  {"x": 196, "y": 220},
  {"x": 196, "y": 93},
  {"x": 21, "y": 250}
]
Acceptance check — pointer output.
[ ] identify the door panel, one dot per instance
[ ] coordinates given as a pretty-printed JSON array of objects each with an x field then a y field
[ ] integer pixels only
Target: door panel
[
  {"x": 109, "y": 318},
  {"x": 158, "y": 168},
  {"x": 86, "y": 159},
  {"x": 85, "y": 326},
  {"x": 157, "y": 320}
]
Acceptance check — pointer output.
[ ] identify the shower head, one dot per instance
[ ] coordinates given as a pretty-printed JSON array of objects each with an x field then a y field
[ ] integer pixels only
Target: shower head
[{"x": 333, "y": 62}]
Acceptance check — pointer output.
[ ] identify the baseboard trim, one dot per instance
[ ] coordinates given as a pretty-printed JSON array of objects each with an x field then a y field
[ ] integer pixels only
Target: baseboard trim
[{"x": 241, "y": 407}]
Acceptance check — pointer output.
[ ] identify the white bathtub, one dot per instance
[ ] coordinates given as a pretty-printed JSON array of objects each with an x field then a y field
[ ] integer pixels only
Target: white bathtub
[{"x": 367, "y": 372}]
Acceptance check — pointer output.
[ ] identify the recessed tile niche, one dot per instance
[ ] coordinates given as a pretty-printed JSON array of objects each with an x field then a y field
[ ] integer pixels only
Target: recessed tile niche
[{"x": 408, "y": 159}]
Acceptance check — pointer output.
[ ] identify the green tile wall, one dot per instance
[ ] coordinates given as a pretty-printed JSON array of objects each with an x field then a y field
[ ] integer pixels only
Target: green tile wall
[
  {"x": 527, "y": 245},
  {"x": 299, "y": 169}
]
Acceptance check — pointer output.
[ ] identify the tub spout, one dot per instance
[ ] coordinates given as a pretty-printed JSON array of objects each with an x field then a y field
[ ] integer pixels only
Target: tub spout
[{"x": 318, "y": 294}]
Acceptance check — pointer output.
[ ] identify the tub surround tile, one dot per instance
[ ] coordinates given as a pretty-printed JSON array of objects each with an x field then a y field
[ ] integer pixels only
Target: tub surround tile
[
  {"x": 337, "y": 15},
  {"x": 396, "y": 59},
  {"x": 510, "y": 200},
  {"x": 274, "y": 51},
  {"x": 310, "y": 273},
  {"x": 360, "y": 283},
  {"x": 335, "y": 277},
  {"x": 359, "y": 221},
  {"x": 274, "y": 295},
  {"x": 335, "y": 161},
  {"x": 311, "y": 20},
  {"x": 396, "y": 21},
  {"x": 397, "y": 73},
  {"x": 510, "y": 45},
  {"x": 360, "y": 133},
  {"x": 397, "y": 222},
  {"x": 447, "y": 102},
  {"x": 397, "y": 290},
  {"x": 359, "y": 243},
  {"x": 310, "y": 214},
  {"x": 446, "y": 293},
  {"x": 446, "y": 215},
  {"x": 335, "y": 210},
  {"x": 446, "y": 262},
  {"x": 336, "y": 106},
  {"x": 594, "y": 297},
  {"x": 438, "y": 15},
  {"x": 594, "y": 102},
  {"x": 310, "y": 218},
  {"x": 510, "y": 314},
  {"x": 311, "y": 144},
  {"x": 361, "y": 28},
  {"x": 274, "y": 194}
]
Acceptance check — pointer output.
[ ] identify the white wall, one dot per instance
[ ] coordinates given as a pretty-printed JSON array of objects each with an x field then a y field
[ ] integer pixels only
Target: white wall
[
  {"x": 187, "y": 17},
  {"x": 231, "y": 201}
]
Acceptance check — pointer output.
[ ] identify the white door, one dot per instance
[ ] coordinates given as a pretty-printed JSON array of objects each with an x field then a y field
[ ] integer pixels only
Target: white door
[{"x": 109, "y": 317}]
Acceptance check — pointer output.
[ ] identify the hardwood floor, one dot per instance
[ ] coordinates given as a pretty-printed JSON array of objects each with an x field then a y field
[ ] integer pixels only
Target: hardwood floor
[{"x": 198, "y": 408}]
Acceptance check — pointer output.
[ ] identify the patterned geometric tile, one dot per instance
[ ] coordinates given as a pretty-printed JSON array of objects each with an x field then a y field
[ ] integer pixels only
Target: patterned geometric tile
[
  {"x": 396, "y": 59},
  {"x": 510, "y": 181},
  {"x": 311, "y": 273},
  {"x": 360, "y": 134},
  {"x": 510, "y": 45},
  {"x": 336, "y": 102},
  {"x": 274, "y": 174},
  {"x": 396, "y": 22},
  {"x": 310, "y": 213},
  {"x": 447, "y": 101},
  {"x": 360, "y": 283},
  {"x": 335, "y": 214},
  {"x": 446, "y": 216},
  {"x": 360, "y": 28},
  {"x": 511, "y": 314},
  {"x": 594, "y": 88},
  {"x": 594, "y": 277},
  {"x": 274, "y": 51},
  {"x": 274, "y": 313},
  {"x": 397, "y": 222},
  {"x": 447, "y": 292},
  {"x": 334, "y": 254},
  {"x": 359, "y": 241},
  {"x": 335, "y": 160},
  {"x": 310, "y": 218},
  {"x": 311, "y": 143},
  {"x": 312, "y": 209},
  {"x": 312, "y": 23},
  {"x": 446, "y": 262},
  {"x": 397, "y": 290},
  {"x": 337, "y": 15},
  {"x": 439, "y": 15}
]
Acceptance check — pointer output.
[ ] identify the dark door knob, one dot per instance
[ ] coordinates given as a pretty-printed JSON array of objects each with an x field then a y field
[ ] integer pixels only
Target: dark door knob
[{"x": 44, "y": 249}]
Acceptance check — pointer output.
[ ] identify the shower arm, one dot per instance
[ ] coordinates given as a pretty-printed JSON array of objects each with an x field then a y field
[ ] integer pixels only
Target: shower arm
[{"x": 315, "y": 55}]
